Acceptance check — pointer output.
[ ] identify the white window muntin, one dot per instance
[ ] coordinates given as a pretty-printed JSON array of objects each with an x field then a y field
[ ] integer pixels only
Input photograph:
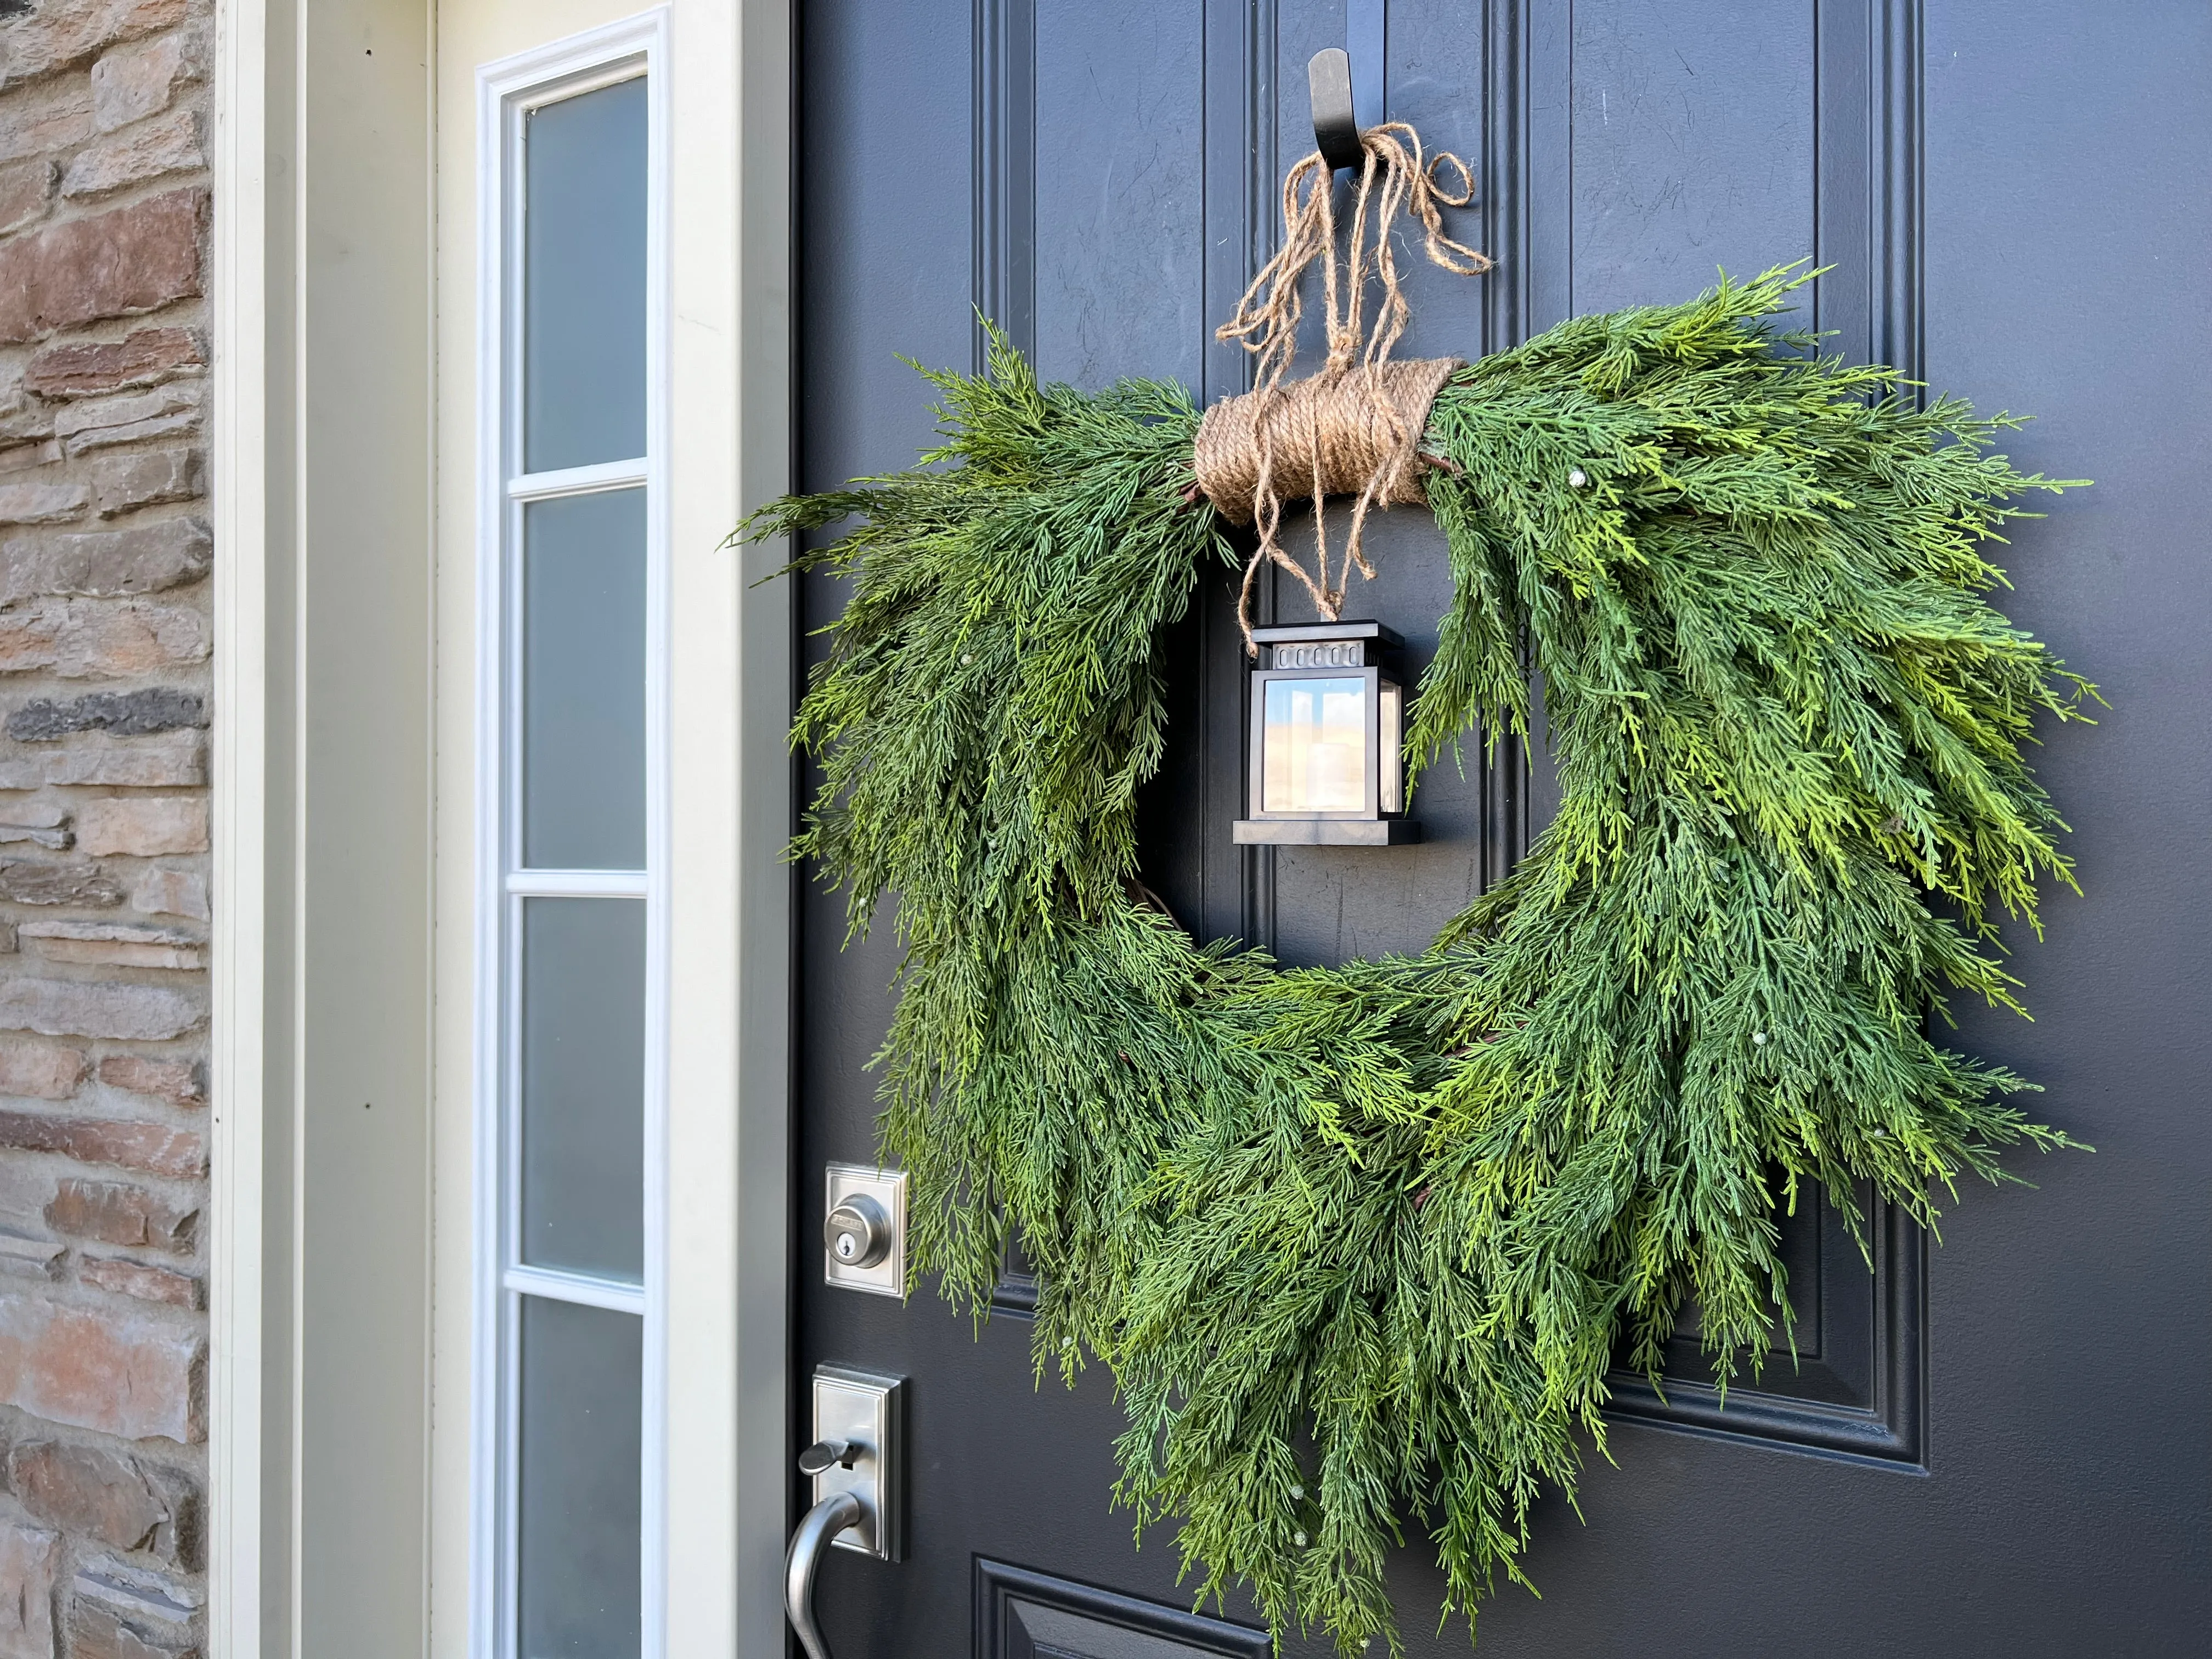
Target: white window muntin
[{"x": 508, "y": 92}]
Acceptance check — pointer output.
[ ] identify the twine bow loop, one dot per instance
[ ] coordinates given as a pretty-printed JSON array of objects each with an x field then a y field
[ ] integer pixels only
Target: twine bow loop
[{"x": 1354, "y": 428}]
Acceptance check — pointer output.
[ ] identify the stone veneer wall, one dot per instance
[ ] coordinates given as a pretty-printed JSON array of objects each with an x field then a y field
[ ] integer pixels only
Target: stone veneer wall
[{"x": 104, "y": 688}]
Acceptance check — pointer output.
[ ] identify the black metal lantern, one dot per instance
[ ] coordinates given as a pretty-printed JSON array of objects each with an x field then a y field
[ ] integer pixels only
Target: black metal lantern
[{"x": 1328, "y": 732}]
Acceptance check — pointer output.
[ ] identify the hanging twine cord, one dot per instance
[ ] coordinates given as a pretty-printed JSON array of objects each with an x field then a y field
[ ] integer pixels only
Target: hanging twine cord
[{"x": 1354, "y": 428}]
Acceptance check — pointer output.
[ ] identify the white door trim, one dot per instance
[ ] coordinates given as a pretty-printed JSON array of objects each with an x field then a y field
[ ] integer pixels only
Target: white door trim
[
  {"x": 731, "y": 654},
  {"x": 240, "y": 865}
]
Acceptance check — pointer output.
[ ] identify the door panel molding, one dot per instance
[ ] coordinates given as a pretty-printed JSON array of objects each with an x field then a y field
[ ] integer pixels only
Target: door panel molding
[
  {"x": 1005, "y": 172},
  {"x": 1860, "y": 135},
  {"x": 1856, "y": 1390},
  {"x": 1867, "y": 125},
  {"x": 1021, "y": 1614}
]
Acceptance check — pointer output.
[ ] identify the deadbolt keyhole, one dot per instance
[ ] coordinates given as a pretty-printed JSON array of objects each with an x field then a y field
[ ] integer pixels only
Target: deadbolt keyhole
[{"x": 857, "y": 1232}]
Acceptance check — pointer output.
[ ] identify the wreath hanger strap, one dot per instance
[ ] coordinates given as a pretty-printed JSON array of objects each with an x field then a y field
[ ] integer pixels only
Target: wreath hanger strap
[{"x": 1354, "y": 429}]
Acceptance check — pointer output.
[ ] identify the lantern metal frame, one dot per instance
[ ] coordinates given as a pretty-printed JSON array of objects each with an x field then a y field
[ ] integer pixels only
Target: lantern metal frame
[{"x": 1366, "y": 651}]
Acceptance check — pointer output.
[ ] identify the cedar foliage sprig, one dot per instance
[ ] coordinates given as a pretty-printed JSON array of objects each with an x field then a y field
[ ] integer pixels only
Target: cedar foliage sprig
[{"x": 1360, "y": 1244}]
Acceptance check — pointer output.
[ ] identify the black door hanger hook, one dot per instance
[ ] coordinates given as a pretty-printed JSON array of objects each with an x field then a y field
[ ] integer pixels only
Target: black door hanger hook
[{"x": 1336, "y": 131}]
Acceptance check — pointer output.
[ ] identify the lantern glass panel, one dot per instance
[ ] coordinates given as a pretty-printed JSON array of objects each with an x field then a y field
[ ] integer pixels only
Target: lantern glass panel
[
  {"x": 1314, "y": 746},
  {"x": 1392, "y": 743}
]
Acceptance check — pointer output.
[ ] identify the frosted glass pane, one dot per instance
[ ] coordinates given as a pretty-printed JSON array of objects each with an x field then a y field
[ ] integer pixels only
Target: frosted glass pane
[
  {"x": 583, "y": 682},
  {"x": 579, "y": 1516},
  {"x": 583, "y": 1085},
  {"x": 1314, "y": 746},
  {"x": 583, "y": 279}
]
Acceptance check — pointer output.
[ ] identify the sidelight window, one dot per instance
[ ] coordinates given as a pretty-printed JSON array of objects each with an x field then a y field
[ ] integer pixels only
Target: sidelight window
[{"x": 574, "y": 916}]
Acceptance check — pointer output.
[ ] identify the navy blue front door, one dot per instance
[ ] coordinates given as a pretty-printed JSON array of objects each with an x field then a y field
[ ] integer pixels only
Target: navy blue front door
[{"x": 1995, "y": 1446}]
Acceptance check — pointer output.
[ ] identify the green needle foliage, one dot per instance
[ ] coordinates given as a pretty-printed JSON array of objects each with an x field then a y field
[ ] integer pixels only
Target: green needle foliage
[{"x": 1360, "y": 1244}]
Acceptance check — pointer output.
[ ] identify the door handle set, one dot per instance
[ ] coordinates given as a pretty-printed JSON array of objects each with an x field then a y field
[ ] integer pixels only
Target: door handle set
[
  {"x": 826, "y": 1521},
  {"x": 856, "y": 1464}
]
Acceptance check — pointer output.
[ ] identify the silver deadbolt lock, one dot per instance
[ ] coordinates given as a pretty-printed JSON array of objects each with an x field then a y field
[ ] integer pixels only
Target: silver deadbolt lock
[
  {"x": 864, "y": 1228},
  {"x": 857, "y": 1232}
]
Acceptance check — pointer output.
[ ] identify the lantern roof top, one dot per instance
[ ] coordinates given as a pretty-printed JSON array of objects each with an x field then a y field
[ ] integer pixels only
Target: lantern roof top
[{"x": 1301, "y": 632}]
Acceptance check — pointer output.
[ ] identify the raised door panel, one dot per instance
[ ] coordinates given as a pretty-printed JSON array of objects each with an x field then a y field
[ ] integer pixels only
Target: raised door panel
[
  {"x": 1126, "y": 189},
  {"x": 1021, "y": 1614}
]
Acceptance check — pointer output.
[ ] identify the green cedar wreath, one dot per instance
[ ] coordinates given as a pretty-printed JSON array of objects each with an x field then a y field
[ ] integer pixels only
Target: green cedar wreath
[{"x": 1359, "y": 1245}]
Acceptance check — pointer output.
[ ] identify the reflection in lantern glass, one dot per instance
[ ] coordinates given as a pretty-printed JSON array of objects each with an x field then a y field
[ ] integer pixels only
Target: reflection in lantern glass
[
  {"x": 1314, "y": 746},
  {"x": 1391, "y": 743}
]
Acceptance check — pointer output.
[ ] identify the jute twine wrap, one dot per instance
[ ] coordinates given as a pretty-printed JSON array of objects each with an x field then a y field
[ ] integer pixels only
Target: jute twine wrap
[
  {"x": 1354, "y": 432},
  {"x": 1355, "y": 428}
]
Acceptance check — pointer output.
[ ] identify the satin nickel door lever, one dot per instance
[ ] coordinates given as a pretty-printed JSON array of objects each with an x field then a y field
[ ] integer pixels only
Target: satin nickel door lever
[
  {"x": 821, "y": 1524},
  {"x": 856, "y": 1463}
]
